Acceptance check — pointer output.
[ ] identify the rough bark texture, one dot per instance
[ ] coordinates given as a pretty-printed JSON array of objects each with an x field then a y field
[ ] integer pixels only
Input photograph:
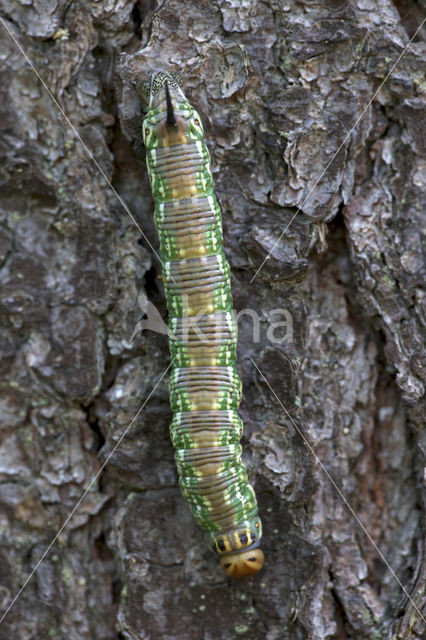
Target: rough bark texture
[{"x": 281, "y": 85}]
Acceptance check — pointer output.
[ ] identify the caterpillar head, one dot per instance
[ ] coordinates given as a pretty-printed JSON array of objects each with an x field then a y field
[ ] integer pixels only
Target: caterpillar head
[
  {"x": 240, "y": 565},
  {"x": 238, "y": 548}
]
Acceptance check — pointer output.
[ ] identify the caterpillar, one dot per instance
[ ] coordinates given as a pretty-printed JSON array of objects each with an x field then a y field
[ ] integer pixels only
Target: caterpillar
[{"x": 205, "y": 389}]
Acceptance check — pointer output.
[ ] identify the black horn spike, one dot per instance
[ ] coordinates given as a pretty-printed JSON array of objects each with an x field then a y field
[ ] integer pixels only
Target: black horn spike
[{"x": 171, "y": 119}]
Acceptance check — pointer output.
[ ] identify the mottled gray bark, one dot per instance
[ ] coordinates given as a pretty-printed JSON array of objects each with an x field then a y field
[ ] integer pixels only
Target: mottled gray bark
[{"x": 280, "y": 86}]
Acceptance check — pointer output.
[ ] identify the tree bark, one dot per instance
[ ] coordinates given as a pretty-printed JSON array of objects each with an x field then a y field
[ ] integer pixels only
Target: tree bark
[{"x": 318, "y": 161}]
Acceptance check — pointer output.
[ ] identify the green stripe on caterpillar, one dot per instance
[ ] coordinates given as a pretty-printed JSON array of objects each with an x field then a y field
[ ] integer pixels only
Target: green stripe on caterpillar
[{"x": 205, "y": 389}]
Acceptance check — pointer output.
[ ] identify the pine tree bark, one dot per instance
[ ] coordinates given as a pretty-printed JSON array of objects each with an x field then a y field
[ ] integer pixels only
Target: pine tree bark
[{"x": 318, "y": 158}]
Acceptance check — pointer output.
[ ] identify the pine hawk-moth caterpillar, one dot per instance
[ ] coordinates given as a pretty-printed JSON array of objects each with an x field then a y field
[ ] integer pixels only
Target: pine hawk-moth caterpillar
[{"x": 205, "y": 389}]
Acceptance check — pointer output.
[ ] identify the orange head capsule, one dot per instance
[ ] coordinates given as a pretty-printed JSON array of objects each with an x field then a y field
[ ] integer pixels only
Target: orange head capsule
[{"x": 240, "y": 565}]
